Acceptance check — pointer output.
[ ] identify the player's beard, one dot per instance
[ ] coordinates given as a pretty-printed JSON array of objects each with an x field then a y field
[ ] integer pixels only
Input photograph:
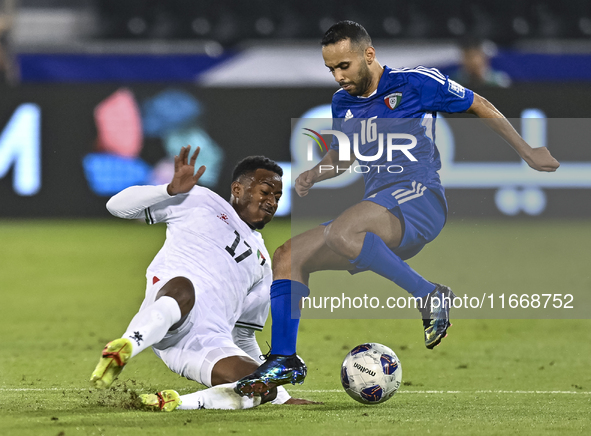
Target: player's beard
[
  {"x": 362, "y": 84},
  {"x": 258, "y": 218},
  {"x": 259, "y": 225}
]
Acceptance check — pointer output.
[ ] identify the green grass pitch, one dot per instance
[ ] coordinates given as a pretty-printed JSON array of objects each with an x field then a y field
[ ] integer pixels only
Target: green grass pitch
[{"x": 68, "y": 287}]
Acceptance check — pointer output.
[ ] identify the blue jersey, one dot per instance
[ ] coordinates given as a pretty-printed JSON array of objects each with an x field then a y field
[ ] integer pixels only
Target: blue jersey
[{"x": 405, "y": 103}]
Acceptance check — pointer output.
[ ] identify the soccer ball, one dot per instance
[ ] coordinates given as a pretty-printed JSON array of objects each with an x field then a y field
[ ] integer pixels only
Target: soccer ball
[{"x": 371, "y": 373}]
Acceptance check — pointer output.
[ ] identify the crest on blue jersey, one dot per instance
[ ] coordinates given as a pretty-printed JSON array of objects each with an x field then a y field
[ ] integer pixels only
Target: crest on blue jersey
[{"x": 393, "y": 100}]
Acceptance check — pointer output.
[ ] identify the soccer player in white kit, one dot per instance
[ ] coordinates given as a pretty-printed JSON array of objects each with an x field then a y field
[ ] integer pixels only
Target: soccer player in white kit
[{"x": 208, "y": 286}]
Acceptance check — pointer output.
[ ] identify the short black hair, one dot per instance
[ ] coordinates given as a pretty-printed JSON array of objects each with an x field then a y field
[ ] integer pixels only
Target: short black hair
[
  {"x": 346, "y": 30},
  {"x": 250, "y": 164}
]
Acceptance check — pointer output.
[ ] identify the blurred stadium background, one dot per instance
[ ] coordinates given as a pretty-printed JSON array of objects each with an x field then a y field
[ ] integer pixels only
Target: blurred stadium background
[{"x": 99, "y": 94}]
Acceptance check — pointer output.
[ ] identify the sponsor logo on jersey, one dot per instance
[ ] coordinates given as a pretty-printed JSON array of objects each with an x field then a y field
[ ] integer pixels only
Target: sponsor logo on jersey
[
  {"x": 393, "y": 100},
  {"x": 224, "y": 218},
  {"x": 363, "y": 369},
  {"x": 456, "y": 89},
  {"x": 348, "y": 115},
  {"x": 138, "y": 337}
]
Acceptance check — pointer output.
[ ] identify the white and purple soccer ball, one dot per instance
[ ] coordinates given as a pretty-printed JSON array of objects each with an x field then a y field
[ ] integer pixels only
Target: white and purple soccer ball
[{"x": 371, "y": 373}]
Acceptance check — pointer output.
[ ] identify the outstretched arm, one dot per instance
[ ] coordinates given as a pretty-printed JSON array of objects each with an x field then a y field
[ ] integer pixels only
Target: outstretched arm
[
  {"x": 539, "y": 159},
  {"x": 326, "y": 169},
  {"x": 133, "y": 201}
]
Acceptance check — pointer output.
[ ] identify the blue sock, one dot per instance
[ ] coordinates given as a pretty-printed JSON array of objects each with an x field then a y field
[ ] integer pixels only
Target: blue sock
[
  {"x": 285, "y": 311},
  {"x": 377, "y": 257}
]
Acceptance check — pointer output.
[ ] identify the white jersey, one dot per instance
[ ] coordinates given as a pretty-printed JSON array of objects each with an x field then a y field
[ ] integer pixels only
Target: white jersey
[{"x": 207, "y": 242}]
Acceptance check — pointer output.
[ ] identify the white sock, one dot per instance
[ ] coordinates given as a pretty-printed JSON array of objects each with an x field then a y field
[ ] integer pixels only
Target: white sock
[
  {"x": 218, "y": 397},
  {"x": 150, "y": 324}
]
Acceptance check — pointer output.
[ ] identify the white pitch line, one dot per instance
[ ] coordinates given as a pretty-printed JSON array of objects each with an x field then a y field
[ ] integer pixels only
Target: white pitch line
[
  {"x": 452, "y": 392},
  {"x": 324, "y": 391}
]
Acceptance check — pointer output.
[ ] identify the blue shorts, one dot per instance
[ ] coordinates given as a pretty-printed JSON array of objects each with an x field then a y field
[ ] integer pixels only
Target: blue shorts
[{"x": 422, "y": 213}]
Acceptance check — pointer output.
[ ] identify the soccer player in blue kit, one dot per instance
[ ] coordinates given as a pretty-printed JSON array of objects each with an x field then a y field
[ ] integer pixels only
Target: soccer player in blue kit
[{"x": 403, "y": 208}]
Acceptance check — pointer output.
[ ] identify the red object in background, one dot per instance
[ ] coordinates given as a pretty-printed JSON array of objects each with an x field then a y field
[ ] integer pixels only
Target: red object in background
[{"x": 119, "y": 125}]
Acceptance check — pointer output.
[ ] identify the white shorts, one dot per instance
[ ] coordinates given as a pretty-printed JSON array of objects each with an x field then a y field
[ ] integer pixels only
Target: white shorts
[{"x": 202, "y": 340}]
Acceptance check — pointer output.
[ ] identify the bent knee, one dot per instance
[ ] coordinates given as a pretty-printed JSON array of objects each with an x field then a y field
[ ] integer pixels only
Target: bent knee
[
  {"x": 335, "y": 237},
  {"x": 283, "y": 253},
  {"x": 231, "y": 369},
  {"x": 282, "y": 261},
  {"x": 182, "y": 290}
]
